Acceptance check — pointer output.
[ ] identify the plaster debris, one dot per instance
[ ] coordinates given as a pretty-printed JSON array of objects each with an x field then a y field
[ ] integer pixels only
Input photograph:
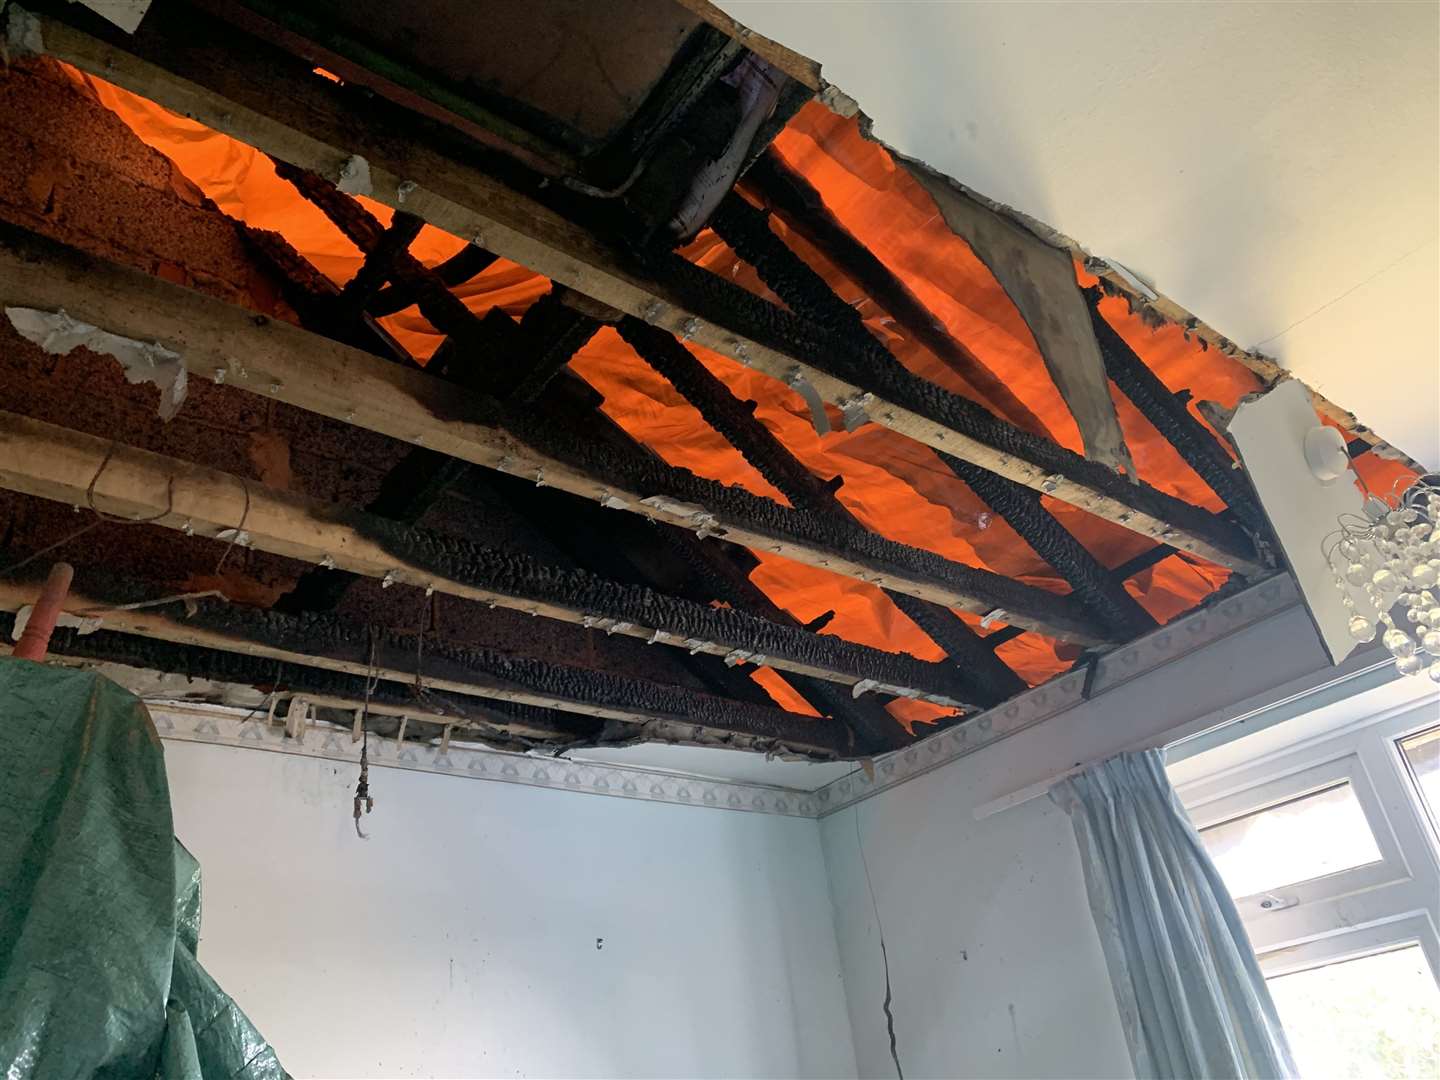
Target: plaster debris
[
  {"x": 125, "y": 14},
  {"x": 797, "y": 381},
  {"x": 149, "y": 362},
  {"x": 355, "y": 176},
  {"x": 22, "y": 34}
]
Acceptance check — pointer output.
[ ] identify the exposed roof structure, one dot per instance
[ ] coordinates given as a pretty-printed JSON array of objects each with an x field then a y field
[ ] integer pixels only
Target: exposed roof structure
[{"x": 554, "y": 396}]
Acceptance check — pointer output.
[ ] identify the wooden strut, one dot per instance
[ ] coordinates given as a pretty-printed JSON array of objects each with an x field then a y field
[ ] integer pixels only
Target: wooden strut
[
  {"x": 534, "y": 352},
  {"x": 989, "y": 680},
  {"x": 267, "y": 98},
  {"x": 808, "y": 294},
  {"x": 816, "y": 735},
  {"x": 276, "y": 360},
  {"x": 802, "y": 209},
  {"x": 56, "y": 463}
]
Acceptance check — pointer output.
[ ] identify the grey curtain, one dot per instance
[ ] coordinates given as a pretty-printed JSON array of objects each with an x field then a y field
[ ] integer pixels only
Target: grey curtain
[{"x": 1191, "y": 996}]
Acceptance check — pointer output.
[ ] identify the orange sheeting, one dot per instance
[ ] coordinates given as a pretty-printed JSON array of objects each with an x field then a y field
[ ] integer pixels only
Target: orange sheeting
[{"x": 894, "y": 485}]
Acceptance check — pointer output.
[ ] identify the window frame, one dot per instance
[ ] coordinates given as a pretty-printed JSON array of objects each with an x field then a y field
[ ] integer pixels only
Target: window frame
[{"x": 1350, "y": 913}]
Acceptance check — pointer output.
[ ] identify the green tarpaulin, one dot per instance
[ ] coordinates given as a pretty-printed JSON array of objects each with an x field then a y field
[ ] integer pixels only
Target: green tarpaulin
[{"x": 99, "y": 903}]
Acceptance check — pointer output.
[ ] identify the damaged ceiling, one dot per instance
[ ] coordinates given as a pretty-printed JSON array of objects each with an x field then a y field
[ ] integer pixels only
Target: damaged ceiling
[
  {"x": 487, "y": 393},
  {"x": 1275, "y": 168}
]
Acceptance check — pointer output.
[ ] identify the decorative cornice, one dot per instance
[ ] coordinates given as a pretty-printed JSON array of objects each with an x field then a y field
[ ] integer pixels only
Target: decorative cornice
[
  {"x": 1140, "y": 657},
  {"x": 226, "y": 726}
]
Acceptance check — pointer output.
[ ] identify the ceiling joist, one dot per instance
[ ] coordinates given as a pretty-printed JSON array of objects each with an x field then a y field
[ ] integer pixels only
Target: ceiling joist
[
  {"x": 269, "y": 100},
  {"x": 285, "y": 363},
  {"x": 219, "y": 636},
  {"x": 66, "y": 466}
]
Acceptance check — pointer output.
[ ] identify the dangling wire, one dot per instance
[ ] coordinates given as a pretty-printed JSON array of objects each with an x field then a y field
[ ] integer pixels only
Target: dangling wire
[
  {"x": 100, "y": 515},
  {"x": 363, "y": 802}
]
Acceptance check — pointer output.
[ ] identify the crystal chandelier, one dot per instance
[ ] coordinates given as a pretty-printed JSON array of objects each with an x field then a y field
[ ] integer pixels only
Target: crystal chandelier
[{"x": 1386, "y": 563}]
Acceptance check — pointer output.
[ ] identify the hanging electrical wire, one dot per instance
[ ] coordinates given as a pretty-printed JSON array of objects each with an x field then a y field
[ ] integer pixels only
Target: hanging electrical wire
[{"x": 363, "y": 802}]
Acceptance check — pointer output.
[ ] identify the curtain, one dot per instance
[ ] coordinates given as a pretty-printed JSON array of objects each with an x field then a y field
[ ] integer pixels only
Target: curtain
[{"x": 1192, "y": 1000}]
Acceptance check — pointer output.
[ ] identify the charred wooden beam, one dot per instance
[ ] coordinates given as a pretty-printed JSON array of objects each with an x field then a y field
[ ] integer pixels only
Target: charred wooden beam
[
  {"x": 517, "y": 364},
  {"x": 345, "y": 648},
  {"x": 1167, "y": 412},
  {"x": 378, "y": 267},
  {"x": 55, "y": 463},
  {"x": 316, "y": 299},
  {"x": 988, "y": 680},
  {"x": 967, "y": 649},
  {"x": 269, "y": 99},
  {"x": 1142, "y": 562},
  {"x": 282, "y": 362},
  {"x": 801, "y": 207},
  {"x": 808, "y": 294},
  {"x": 731, "y": 417},
  {"x": 1095, "y": 586},
  {"x": 863, "y": 376},
  {"x": 718, "y": 572},
  {"x": 467, "y": 263}
]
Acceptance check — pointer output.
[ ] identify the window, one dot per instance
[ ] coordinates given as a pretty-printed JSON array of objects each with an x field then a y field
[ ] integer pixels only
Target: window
[
  {"x": 1422, "y": 755},
  {"x": 1325, "y": 836},
  {"x": 1376, "y": 1015},
  {"x": 1304, "y": 838}
]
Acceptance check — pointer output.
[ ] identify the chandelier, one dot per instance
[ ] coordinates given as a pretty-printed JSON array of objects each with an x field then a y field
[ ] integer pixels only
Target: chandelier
[{"x": 1386, "y": 564}]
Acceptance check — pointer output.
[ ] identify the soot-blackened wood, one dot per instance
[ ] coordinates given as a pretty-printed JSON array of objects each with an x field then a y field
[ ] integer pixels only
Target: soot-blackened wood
[
  {"x": 467, "y": 263},
  {"x": 967, "y": 649},
  {"x": 1194, "y": 441},
  {"x": 378, "y": 266},
  {"x": 1095, "y": 586},
  {"x": 907, "y": 403},
  {"x": 809, "y": 295},
  {"x": 988, "y": 680},
  {"x": 505, "y": 346},
  {"x": 731, "y": 417},
  {"x": 716, "y": 573},
  {"x": 272, "y": 100},
  {"x": 801, "y": 207},
  {"x": 316, "y": 299},
  {"x": 557, "y": 333}
]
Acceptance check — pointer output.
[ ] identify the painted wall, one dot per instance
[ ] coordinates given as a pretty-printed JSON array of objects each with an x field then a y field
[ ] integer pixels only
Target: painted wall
[
  {"x": 1275, "y": 168},
  {"x": 995, "y": 967},
  {"x": 461, "y": 939}
]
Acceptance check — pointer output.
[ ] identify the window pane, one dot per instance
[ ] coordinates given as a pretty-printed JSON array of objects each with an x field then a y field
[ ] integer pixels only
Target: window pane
[
  {"x": 1317, "y": 834},
  {"x": 1376, "y": 1016},
  {"x": 1422, "y": 753}
]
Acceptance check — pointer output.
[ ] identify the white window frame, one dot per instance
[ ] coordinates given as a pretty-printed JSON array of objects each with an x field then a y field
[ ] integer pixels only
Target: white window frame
[{"x": 1350, "y": 913}]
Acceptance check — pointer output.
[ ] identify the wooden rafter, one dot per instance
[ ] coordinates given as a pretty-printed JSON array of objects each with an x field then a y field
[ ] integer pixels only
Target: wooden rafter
[
  {"x": 987, "y": 678},
  {"x": 269, "y": 100},
  {"x": 283, "y": 362},
  {"x": 469, "y": 673},
  {"x": 56, "y": 463}
]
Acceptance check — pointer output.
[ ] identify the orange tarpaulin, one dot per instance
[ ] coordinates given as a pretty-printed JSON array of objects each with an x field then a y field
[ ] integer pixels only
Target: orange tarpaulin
[{"x": 895, "y": 486}]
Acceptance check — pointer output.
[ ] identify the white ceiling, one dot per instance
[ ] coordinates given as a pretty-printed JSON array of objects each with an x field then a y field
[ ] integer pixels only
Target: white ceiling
[{"x": 1273, "y": 167}]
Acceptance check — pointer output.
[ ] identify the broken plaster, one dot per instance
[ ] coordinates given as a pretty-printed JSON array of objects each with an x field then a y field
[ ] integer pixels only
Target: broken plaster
[{"x": 150, "y": 362}]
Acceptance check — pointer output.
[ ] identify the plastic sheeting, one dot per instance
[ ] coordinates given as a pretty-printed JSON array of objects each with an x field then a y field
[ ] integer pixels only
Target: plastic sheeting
[
  {"x": 99, "y": 903},
  {"x": 897, "y": 487}
]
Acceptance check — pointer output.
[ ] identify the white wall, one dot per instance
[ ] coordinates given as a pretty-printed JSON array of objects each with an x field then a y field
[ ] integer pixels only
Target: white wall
[
  {"x": 460, "y": 940},
  {"x": 995, "y": 967}
]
